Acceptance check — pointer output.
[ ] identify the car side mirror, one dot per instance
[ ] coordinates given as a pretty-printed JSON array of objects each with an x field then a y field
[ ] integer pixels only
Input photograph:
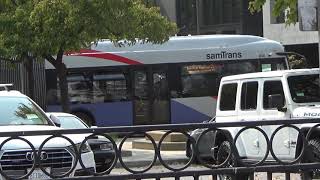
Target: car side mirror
[
  {"x": 276, "y": 101},
  {"x": 55, "y": 120}
]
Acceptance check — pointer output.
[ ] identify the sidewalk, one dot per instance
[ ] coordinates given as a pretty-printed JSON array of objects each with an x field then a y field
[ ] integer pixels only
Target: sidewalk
[{"x": 141, "y": 158}]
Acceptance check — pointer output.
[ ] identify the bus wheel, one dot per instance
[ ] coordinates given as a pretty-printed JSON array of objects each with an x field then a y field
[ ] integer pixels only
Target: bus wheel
[{"x": 85, "y": 117}]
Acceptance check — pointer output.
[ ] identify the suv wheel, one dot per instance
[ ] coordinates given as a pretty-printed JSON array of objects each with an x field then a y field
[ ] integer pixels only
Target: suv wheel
[
  {"x": 312, "y": 155},
  {"x": 223, "y": 152}
]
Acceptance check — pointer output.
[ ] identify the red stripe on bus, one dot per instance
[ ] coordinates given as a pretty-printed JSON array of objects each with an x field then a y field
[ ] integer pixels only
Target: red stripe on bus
[
  {"x": 112, "y": 57},
  {"x": 215, "y": 97},
  {"x": 106, "y": 56}
]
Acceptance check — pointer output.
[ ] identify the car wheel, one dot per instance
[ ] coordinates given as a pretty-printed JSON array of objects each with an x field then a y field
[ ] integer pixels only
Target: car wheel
[
  {"x": 312, "y": 155},
  {"x": 223, "y": 152},
  {"x": 85, "y": 117}
]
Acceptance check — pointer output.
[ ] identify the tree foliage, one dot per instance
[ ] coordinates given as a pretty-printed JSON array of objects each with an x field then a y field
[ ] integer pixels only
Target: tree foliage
[
  {"x": 290, "y": 6},
  {"x": 50, "y": 28}
]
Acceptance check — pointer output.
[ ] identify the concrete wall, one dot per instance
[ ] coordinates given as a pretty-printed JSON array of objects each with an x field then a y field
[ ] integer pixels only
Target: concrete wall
[{"x": 289, "y": 35}]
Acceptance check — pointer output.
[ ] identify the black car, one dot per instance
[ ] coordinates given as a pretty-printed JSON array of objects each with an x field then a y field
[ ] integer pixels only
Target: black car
[{"x": 102, "y": 147}]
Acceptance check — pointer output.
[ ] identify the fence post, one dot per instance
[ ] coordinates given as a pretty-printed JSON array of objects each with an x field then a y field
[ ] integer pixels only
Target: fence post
[{"x": 269, "y": 176}]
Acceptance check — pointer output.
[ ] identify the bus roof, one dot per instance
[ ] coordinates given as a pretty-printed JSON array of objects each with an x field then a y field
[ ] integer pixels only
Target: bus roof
[
  {"x": 179, "y": 49},
  {"x": 184, "y": 42}
]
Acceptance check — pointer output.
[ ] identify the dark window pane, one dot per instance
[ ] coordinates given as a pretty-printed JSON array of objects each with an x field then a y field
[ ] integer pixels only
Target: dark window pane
[
  {"x": 273, "y": 64},
  {"x": 109, "y": 87},
  {"x": 271, "y": 88},
  {"x": 228, "y": 97},
  {"x": 304, "y": 89},
  {"x": 220, "y": 11},
  {"x": 249, "y": 96},
  {"x": 200, "y": 80},
  {"x": 79, "y": 88}
]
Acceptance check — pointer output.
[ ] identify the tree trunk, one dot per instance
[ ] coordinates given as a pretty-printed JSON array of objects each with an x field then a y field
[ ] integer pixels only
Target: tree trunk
[
  {"x": 63, "y": 84},
  {"x": 29, "y": 67}
]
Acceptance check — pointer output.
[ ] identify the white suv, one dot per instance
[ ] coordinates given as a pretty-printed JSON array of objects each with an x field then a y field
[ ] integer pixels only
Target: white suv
[
  {"x": 57, "y": 157},
  {"x": 276, "y": 95}
]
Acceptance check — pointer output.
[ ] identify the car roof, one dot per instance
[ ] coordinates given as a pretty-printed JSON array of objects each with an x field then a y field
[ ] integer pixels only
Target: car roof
[
  {"x": 60, "y": 114},
  {"x": 271, "y": 74},
  {"x": 11, "y": 93}
]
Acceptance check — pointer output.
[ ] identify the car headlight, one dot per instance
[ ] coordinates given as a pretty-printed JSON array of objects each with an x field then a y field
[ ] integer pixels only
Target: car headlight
[
  {"x": 84, "y": 149},
  {"x": 106, "y": 146}
]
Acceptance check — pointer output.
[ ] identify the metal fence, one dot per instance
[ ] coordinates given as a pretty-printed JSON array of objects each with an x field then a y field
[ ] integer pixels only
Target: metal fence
[
  {"x": 16, "y": 73},
  {"x": 234, "y": 171}
]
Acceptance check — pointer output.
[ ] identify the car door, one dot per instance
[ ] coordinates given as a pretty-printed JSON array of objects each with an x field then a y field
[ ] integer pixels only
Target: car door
[
  {"x": 248, "y": 111},
  {"x": 281, "y": 142}
]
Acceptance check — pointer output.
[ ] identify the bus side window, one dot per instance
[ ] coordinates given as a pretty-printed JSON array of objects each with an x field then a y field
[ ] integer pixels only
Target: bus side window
[
  {"x": 200, "y": 80},
  {"x": 273, "y": 64},
  {"x": 109, "y": 87}
]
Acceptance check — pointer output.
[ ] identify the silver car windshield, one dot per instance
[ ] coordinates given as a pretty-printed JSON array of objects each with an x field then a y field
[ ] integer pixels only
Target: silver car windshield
[
  {"x": 20, "y": 111},
  {"x": 304, "y": 88}
]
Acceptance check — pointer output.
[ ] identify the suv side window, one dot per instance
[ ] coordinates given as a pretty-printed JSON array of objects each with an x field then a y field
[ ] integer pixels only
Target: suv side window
[
  {"x": 228, "y": 97},
  {"x": 271, "y": 88},
  {"x": 249, "y": 94}
]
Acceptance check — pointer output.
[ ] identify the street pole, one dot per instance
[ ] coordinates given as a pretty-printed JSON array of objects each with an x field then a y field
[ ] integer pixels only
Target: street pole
[{"x": 197, "y": 12}]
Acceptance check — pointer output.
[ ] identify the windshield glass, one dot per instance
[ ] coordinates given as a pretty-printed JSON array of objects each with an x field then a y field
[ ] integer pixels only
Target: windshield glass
[
  {"x": 70, "y": 122},
  {"x": 304, "y": 89},
  {"x": 20, "y": 111}
]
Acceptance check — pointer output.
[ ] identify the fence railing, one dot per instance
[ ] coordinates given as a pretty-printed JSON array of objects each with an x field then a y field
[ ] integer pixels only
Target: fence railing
[{"x": 62, "y": 163}]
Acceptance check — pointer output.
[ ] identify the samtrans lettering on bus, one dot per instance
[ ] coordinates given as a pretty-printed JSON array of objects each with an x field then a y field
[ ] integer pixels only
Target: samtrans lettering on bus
[{"x": 225, "y": 55}]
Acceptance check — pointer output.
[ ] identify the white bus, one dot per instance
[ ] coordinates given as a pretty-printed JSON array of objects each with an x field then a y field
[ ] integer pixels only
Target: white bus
[{"x": 175, "y": 82}]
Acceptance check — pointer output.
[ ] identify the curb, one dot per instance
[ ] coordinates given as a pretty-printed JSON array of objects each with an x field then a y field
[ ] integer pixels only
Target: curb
[{"x": 137, "y": 164}]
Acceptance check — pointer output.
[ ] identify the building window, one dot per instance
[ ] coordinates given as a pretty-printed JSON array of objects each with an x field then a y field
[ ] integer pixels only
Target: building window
[
  {"x": 220, "y": 11},
  {"x": 187, "y": 20}
]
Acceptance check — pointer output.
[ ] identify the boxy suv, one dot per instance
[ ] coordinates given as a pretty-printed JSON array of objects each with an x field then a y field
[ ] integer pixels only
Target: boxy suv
[
  {"x": 20, "y": 113},
  {"x": 264, "y": 96}
]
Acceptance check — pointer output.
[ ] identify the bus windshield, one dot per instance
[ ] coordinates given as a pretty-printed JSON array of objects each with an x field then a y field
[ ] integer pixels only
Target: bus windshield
[{"x": 305, "y": 88}]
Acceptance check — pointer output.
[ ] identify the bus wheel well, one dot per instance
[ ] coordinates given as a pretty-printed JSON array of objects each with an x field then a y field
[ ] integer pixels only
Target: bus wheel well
[{"x": 87, "y": 117}]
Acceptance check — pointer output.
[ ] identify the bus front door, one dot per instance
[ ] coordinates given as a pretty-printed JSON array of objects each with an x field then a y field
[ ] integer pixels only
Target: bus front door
[{"x": 151, "y": 98}]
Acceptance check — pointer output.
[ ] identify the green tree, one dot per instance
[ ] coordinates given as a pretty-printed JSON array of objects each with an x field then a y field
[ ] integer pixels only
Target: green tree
[
  {"x": 290, "y": 6},
  {"x": 47, "y": 29}
]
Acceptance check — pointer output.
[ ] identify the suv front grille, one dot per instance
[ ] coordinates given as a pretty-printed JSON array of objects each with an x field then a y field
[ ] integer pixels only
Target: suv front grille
[{"x": 21, "y": 160}]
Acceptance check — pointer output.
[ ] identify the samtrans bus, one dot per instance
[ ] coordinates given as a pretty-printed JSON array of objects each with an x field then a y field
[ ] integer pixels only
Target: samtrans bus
[{"x": 175, "y": 82}]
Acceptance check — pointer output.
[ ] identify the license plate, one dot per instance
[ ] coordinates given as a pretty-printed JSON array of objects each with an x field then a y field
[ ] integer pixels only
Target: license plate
[{"x": 39, "y": 174}]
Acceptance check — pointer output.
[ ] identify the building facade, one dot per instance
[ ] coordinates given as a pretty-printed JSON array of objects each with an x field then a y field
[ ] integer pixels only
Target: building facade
[
  {"x": 302, "y": 42},
  {"x": 212, "y": 16}
]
